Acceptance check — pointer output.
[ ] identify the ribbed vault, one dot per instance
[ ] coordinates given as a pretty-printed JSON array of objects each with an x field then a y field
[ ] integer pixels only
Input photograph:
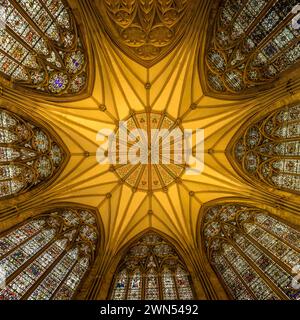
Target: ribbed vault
[{"x": 173, "y": 85}]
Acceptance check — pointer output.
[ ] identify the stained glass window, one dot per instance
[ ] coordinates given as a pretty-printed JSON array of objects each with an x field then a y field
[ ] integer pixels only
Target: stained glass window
[
  {"x": 252, "y": 252},
  {"x": 253, "y": 42},
  {"x": 28, "y": 154},
  {"x": 152, "y": 270},
  {"x": 40, "y": 47},
  {"x": 270, "y": 149},
  {"x": 48, "y": 256}
]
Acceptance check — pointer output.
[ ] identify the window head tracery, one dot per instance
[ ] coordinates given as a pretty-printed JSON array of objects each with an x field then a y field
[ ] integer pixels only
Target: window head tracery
[
  {"x": 152, "y": 270},
  {"x": 48, "y": 256},
  {"x": 252, "y": 252},
  {"x": 41, "y": 48},
  {"x": 269, "y": 150},
  {"x": 29, "y": 154},
  {"x": 253, "y": 42}
]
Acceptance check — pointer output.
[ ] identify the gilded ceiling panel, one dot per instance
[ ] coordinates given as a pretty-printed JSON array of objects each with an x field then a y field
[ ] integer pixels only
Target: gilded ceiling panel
[{"x": 146, "y": 29}]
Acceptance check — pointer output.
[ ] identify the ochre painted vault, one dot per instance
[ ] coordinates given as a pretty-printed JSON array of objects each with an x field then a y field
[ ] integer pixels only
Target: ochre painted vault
[{"x": 69, "y": 69}]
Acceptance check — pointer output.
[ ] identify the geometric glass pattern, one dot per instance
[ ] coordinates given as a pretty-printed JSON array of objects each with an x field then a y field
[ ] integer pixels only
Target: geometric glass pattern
[
  {"x": 40, "y": 47},
  {"x": 28, "y": 154},
  {"x": 252, "y": 252},
  {"x": 253, "y": 42},
  {"x": 152, "y": 270},
  {"x": 269, "y": 150},
  {"x": 48, "y": 256}
]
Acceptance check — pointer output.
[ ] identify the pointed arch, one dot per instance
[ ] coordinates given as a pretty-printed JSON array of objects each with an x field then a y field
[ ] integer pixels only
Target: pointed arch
[
  {"x": 151, "y": 269},
  {"x": 146, "y": 31},
  {"x": 253, "y": 253},
  {"x": 41, "y": 47},
  {"x": 251, "y": 44},
  {"x": 269, "y": 150},
  {"x": 30, "y": 155},
  {"x": 48, "y": 256}
]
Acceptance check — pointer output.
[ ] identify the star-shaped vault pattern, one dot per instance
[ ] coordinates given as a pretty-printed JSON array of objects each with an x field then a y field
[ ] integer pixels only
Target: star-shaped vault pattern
[{"x": 119, "y": 87}]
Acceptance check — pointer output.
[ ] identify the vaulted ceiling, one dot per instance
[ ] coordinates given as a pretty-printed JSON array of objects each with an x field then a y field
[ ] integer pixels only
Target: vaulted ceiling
[{"x": 166, "y": 76}]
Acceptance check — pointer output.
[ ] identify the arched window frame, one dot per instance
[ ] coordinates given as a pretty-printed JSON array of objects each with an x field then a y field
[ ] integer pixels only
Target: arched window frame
[
  {"x": 204, "y": 69},
  {"x": 203, "y": 222},
  {"x": 260, "y": 121},
  {"x": 31, "y": 117},
  {"x": 11, "y": 86},
  {"x": 45, "y": 213},
  {"x": 122, "y": 265}
]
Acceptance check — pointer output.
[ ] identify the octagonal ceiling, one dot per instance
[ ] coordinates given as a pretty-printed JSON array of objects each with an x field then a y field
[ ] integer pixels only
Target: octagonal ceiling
[{"x": 167, "y": 84}]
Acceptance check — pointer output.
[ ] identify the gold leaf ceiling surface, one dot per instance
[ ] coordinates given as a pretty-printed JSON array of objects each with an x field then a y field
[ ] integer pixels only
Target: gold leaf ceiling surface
[{"x": 122, "y": 86}]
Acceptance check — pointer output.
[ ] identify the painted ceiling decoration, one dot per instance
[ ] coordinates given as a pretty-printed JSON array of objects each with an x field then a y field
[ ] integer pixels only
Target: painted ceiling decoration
[
  {"x": 29, "y": 155},
  {"x": 146, "y": 29},
  {"x": 151, "y": 177},
  {"x": 252, "y": 43},
  {"x": 251, "y": 251},
  {"x": 138, "y": 77},
  {"x": 152, "y": 270},
  {"x": 269, "y": 150},
  {"x": 41, "y": 48},
  {"x": 47, "y": 256}
]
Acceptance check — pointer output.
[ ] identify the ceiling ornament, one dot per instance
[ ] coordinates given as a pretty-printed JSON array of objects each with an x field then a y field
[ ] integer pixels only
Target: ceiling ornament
[
  {"x": 145, "y": 175},
  {"x": 146, "y": 29}
]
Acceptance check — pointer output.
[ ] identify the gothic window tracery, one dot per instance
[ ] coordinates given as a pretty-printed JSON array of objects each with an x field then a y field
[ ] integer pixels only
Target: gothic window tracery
[
  {"x": 253, "y": 42},
  {"x": 28, "y": 155},
  {"x": 48, "y": 256},
  {"x": 152, "y": 270},
  {"x": 270, "y": 149},
  {"x": 252, "y": 252},
  {"x": 40, "y": 47},
  {"x": 146, "y": 29}
]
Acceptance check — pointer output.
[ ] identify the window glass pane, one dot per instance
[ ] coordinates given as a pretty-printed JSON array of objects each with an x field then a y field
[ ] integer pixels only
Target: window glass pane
[
  {"x": 48, "y": 256},
  {"x": 252, "y": 43},
  {"x": 250, "y": 252},
  {"x": 152, "y": 270},
  {"x": 41, "y": 47},
  {"x": 29, "y": 155},
  {"x": 269, "y": 150}
]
